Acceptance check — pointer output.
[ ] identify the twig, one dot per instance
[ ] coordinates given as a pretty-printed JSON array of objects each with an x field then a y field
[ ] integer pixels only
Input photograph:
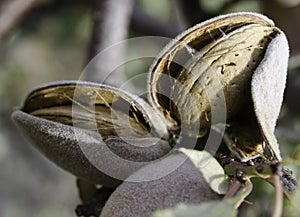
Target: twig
[
  {"x": 278, "y": 203},
  {"x": 233, "y": 189},
  {"x": 11, "y": 11}
]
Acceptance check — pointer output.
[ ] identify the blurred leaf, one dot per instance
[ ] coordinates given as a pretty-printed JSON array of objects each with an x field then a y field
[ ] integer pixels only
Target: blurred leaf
[
  {"x": 157, "y": 8},
  {"x": 245, "y": 6},
  {"x": 208, "y": 209},
  {"x": 213, "y": 6},
  {"x": 210, "y": 168},
  {"x": 292, "y": 205},
  {"x": 296, "y": 154}
]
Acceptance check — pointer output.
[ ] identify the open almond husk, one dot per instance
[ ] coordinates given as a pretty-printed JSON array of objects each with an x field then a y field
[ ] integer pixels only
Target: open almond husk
[
  {"x": 229, "y": 70},
  {"x": 96, "y": 132}
]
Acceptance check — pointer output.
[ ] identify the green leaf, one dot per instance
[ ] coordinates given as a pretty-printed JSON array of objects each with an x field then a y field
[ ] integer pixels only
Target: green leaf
[
  {"x": 210, "y": 168},
  {"x": 207, "y": 209}
]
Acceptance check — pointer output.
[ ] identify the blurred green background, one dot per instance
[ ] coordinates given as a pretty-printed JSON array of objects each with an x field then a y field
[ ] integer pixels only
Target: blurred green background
[{"x": 51, "y": 41}]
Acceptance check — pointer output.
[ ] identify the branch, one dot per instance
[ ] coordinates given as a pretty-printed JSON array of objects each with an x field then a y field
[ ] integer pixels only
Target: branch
[
  {"x": 111, "y": 21},
  {"x": 11, "y": 11},
  {"x": 140, "y": 21}
]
